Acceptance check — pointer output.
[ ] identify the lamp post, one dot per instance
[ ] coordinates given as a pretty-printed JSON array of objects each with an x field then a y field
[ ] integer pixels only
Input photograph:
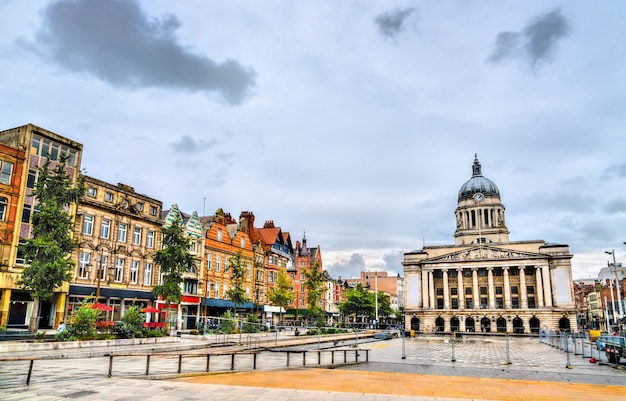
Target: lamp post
[
  {"x": 619, "y": 296},
  {"x": 376, "y": 299}
]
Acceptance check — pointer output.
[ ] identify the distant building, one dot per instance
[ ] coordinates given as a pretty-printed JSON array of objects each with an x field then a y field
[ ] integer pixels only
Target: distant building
[
  {"x": 24, "y": 149},
  {"x": 118, "y": 231},
  {"x": 484, "y": 282}
]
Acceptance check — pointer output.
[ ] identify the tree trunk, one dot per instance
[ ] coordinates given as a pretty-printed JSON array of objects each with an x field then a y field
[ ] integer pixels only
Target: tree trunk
[{"x": 33, "y": 325}]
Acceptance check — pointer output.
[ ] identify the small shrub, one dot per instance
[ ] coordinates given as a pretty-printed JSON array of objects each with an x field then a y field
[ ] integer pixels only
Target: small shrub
[
  {"x": 154, "y": 333},
  {"x": 193, "y": 332}
]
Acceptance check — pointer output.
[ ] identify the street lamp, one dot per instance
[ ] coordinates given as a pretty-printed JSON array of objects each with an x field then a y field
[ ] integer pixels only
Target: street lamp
[{"x": 619, "y": 296}]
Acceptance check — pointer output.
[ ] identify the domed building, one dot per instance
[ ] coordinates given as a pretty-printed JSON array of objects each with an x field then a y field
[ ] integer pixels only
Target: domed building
[{"x": 484, "y": 282}]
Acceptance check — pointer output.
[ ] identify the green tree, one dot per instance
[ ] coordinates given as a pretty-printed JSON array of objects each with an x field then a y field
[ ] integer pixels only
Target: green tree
[
  {"x": 283, "y": 294},
  {"x": 314, "y": 284},
  {"x": 359, "y": 302},
  {"x": 48, "y": 251},
  {"x": 236, "y": 291},
  {"x": 174, "y": 259}
]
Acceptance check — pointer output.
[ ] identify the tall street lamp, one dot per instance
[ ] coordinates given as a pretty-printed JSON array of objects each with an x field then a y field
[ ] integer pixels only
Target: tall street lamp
[{"x": 619, "y": 296}]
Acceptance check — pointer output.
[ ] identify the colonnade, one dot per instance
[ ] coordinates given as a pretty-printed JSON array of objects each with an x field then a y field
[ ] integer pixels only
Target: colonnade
[{"x": 542, "y": 284}]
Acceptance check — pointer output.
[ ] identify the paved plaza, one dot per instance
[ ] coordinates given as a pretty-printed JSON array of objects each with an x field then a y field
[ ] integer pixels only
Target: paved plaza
[{"x": 399, "y": 369}]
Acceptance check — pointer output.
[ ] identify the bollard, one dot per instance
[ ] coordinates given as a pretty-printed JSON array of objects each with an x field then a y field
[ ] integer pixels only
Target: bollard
[
  {"x": 304, "y": 358},
  {"x": 208, "y": 361},
  {"x": 568, "y": 365},
  {"x": 30, "y": 371},
  {"x": 452, "y": 341},
  {"x": 287, "y": 358},
  {"x": 148, "y": 365},
  {"x": 319, "y": 357},
  {"x": 232, "y": 362},
  {"x": 403, "y": 352},
  {"x": 508, "y": 358},
  {"x": 254, "y": 362},
  {"x": 180, "y": 363},
  {"x": 110, "y": 365}
]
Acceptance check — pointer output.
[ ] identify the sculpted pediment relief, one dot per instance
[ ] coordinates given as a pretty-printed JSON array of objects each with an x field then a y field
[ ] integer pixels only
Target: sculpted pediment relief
[{"x": 485, "y": 253}]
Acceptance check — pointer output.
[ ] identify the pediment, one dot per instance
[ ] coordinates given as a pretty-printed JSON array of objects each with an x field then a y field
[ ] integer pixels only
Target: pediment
[{"x": 485, "y": 253}]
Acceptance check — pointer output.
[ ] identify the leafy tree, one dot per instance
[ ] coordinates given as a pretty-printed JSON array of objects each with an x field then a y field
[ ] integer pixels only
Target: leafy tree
[
  {"x": 131, "y": 325},
  {"x": 237, "y": 292},
  {"x": 359, "y": 302},
  {"x": 314, "y": 284},
  {"x": 48, "y": 251},
  {"x": 174, "y": 259},
  {"x": 81, "y": 323},
  {"x": 283, "y": 294}
]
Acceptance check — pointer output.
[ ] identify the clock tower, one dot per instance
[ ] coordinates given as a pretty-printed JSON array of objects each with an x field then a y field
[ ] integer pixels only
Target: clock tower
[{"x": 479, "y": 212}]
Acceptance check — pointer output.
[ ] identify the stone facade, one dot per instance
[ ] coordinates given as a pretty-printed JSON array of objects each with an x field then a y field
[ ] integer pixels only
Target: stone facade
[{"x": 484, "y": 282}]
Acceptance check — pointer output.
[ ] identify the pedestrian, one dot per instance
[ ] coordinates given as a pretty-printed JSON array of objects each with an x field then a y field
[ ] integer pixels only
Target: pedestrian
[{"x": 61, "y": 327}]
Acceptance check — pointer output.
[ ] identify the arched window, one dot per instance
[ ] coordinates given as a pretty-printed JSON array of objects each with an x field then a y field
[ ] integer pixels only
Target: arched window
[{"x": 3, "y": 207}]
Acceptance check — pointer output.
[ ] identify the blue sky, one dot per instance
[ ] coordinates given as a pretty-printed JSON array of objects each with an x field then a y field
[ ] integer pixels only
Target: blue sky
[{"x": 355, "y": 121}]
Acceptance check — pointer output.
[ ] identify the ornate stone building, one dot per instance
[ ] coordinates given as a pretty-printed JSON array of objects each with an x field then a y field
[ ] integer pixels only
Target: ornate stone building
[{"x": 484, "y": 282}]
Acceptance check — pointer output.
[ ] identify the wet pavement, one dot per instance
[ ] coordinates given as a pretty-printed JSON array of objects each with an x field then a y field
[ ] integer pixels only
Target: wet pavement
[{"x": 398, "y": 369}]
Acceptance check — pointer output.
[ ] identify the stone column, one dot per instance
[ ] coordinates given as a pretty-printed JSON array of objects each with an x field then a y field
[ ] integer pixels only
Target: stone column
[
  {"x": 491, "y": 289},
  {"x": 431, "y": 290},
  {"x": 476, "y": 294},
  {"x": 507, "y": 288},
  {"x": 547, "y": 288},
  {"x": 539, "y": 291},
  {"x": 425, "y": 303},
  {"x": 459, "y": 275},
  {"x": 522, "y": 285},
  {"x": 446, "y": 290}
]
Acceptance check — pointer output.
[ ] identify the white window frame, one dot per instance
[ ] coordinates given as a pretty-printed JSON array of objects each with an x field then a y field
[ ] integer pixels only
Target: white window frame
[
  {"x": 119, "y": 270},
  {"x": 83, "y": 265},
  {"x": 105, "y": 228},
  {"x": 147, "y": 274},
  {"x": 92, "y": 191},
  {"x": 4, "y": 203},
  {"x": 121, "y": 232},
  {"x": 88, "y": 224},
  {"x": 150, "y": 239},
  {"x": 6, "y": 171},
  {"x": 102, "y": 265},
  {"x": 208, "y": 260},
  {"x": 134, "y": 271},
  {"x": 137, "y": 236},
  {"x": 218, "y": 264}
]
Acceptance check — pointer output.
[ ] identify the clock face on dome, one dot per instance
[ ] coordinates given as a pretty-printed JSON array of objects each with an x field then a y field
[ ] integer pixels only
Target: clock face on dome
[{"x": 478, "y": 197}]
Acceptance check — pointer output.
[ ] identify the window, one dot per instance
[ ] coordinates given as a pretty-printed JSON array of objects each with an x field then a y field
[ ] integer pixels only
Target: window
[
  {"x": 242, "y": 243},
  {"x": 468, "y": 290},
  {"x": 224, "y": 293},
  {"x": 515, "y": 302},
  {"x": 497, "y": 272},
  {"x": 134, "y": 269},
  {"x": 468, "y": 303},
  {"x": 248, "y": 270},
  {"x": 226, "y": 264},
  {"x": 454, "y": 291},
  {"x": 137, "y": 236},
  {"x": 438, "y": 274},
  {"x": 150, "y": 239},
  {"x": 147, "y": 274},
  {"x": 453, "y": 274},
  {"x": 530, "y": 289},
  {"x": 105, "y": 229},
  {"x": 190, "y": 286},
  {"x": 108, "y": 196},
  {"x": 531, "y": 303},
  {"x": 88, "y": 225},
  {"x": 483, "y": 303},
  {"x": 529, "y": 271},
  {"x": 121, "y": 232},
  {"x": 454, "y": 303},
  {"x": 482, "y": 272},
  {"x": 6, "y": 168},
  {"x": 92, "y": 192},
  {"x": 483, "y": 290},
  {"x": 32, "y": 177},
  {"x": 83, "y": 265},
  {"x": 139, "y": 206},
  {"x": 499, "y": 303},
  {"x": 219, "y": 235},
  {"x": 439, "y": 303},
  {"x": 218, "y": 264},
  {"x": 439, "y": 291},
  {"x": 119, "y": 270},
  {"x": 513, "y": 289},
  {"x": 153, "y": 210},
  {"x": 208, "y": 261},
  {"x": 3, "y": 207},
  {"x": 499, "y": 290},
  {"x": 513, "y": 271}
]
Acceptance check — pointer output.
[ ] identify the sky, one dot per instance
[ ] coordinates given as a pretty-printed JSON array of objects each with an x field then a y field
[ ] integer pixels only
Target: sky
[{"x": 354, "y": 123}]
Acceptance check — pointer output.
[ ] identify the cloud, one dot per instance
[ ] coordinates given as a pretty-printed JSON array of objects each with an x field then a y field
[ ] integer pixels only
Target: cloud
[
  {"x": 115, "y": 41},
  {"x": 536, "y": 43},
  {"x": 615, "y": 206},
  {"x": 352, "y": 267},
  {"x": 390, "y": 24},
  {"x": 188, "y": 145},
  {"x": 618, "y": 170}
]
